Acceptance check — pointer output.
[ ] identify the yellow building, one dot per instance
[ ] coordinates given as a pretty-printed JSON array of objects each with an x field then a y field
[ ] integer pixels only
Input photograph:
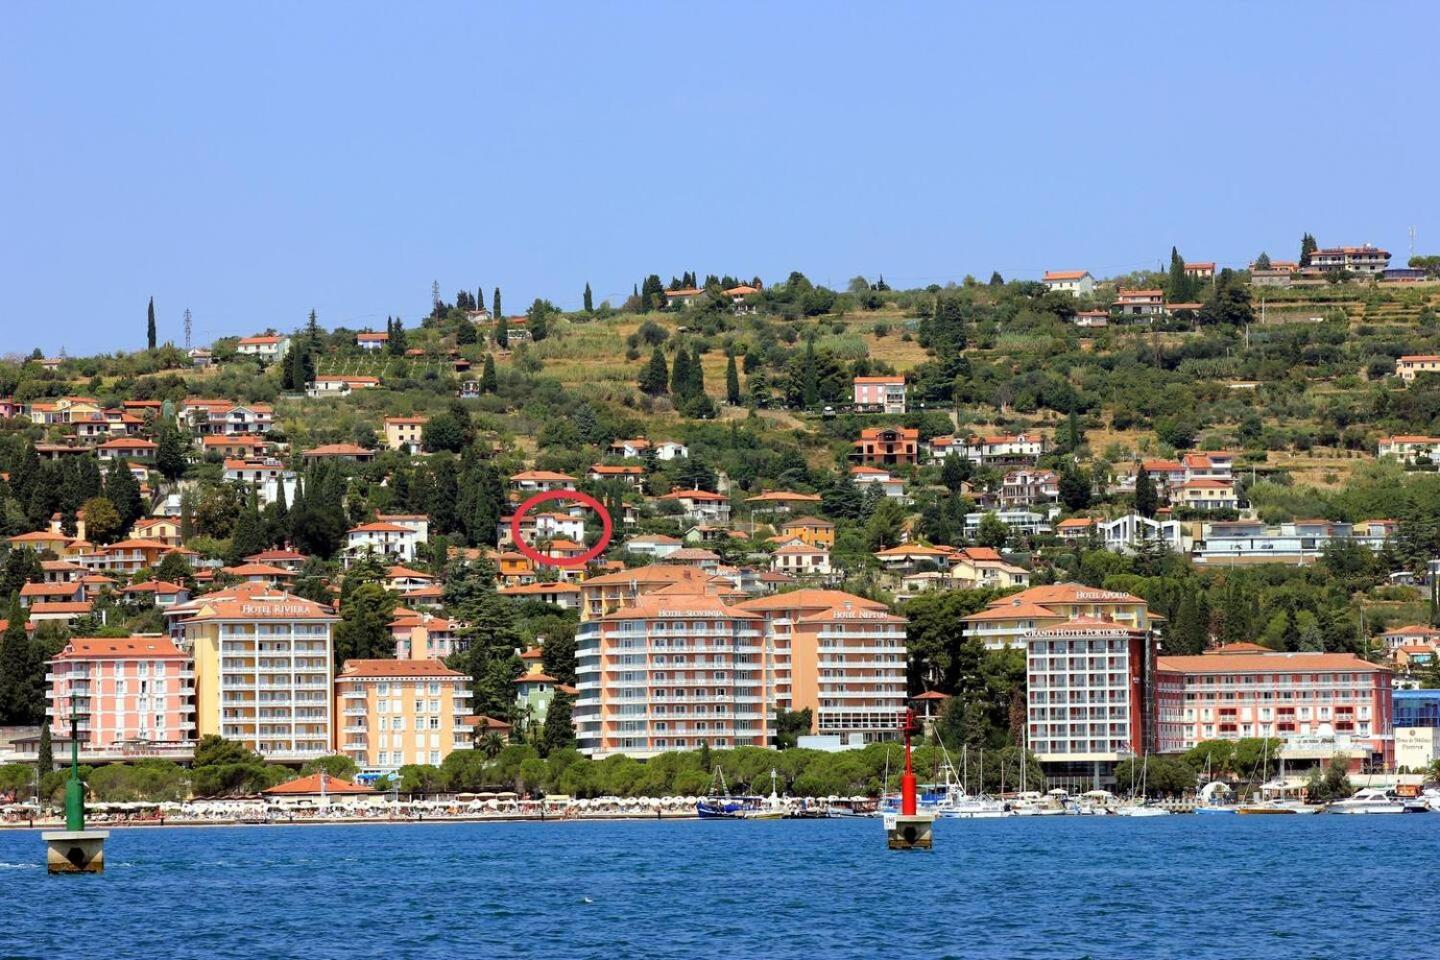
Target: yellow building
[
  {"x": 1008, "y": 620},
  {"x": 398, "y": 712},
  {"x": 811, "y": 531},
  {"x": 263, "y": 670},
  {"x": 404, "y": 433}
]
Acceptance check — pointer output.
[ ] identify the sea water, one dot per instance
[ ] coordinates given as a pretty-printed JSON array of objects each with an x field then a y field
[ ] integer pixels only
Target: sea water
[{"x": 1101, "y": 887}]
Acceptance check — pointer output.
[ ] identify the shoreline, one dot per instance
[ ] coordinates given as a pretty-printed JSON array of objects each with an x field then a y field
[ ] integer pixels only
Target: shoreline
[{"x": 341, "y": 821}]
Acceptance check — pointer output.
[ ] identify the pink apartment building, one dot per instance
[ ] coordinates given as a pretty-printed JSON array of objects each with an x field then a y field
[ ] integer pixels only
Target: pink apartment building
[
  {"x": 1227, "y": 696},
  {"x": 125, "y": 690},
  {"x": 885, "y": 394}
]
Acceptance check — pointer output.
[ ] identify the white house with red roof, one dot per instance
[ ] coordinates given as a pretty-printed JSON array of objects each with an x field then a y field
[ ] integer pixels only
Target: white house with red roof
[
  {"x": 880, "y": 478},
  {"x": 799, "y": 559},
  {"x": 700, "y": 506},
  {"x": 880, "y": 394},
  {"x": 1408, "y": 448},
  {"x": 1078, "y": 283},
  {"x": 389, "y": 541},
  {"x": 269, "y": 347},
  {"x": 540, "y": 481},
  {"x": 370, "y": 341}
]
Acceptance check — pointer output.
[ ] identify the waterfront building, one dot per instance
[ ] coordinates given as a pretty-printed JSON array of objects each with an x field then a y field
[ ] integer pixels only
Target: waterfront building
[
  {"x": 675, "y": 669},
  {"x": 399, "y": 712},
  {"x": 1085, "y": 697},
  {"x": 263, "y": 662},
  {"x": 840, "y": 656},
  {"x": 1009, "y": 620},
  {"x": 132, "y": 696},
  {"x": 1223, "y": 695}
]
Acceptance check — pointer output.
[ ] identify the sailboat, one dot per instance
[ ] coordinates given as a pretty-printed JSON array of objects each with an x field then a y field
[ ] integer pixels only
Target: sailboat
[
  {"x": 959, "y": 804},
  {"x": 1139, "y": 806},
  {"x": 719, "y": 805}
]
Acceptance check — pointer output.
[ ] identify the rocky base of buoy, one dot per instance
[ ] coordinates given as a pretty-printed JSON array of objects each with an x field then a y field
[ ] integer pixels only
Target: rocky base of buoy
[
  {"x": 75, "y": 851},
  {"x": 910, "y": 832}
]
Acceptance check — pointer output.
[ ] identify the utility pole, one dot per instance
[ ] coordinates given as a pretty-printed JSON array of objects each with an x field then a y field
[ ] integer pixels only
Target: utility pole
[{"x": 187, "y": 328}]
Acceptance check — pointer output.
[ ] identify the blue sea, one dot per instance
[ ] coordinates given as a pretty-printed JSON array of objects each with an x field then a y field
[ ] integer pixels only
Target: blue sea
[{"x": 1180, "y": 886}]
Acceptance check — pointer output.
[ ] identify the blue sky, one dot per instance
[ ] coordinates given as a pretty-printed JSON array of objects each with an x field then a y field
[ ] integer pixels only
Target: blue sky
[{"x": 253, "y": 162}]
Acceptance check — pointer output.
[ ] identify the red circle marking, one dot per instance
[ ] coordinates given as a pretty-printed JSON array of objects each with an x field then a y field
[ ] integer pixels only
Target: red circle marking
[{"x": 545, "y": 497}]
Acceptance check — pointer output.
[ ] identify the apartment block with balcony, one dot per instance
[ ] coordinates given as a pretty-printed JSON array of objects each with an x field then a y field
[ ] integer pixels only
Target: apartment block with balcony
[
  {"x": 397, "y": 712},
  {"x": 132, "y": 696},
  {"x": 673, "y": 671},
  {"x": 1085, "y": 698},
  {"x": 1296, "y": 697},
  {"x": 263, "y": 670}
]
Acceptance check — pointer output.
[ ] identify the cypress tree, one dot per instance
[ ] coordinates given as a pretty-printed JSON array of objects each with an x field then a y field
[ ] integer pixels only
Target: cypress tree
[
  {"x": 123, "y": 490},
  {"x": 695, "y": 386},
  {"x": 488, "y": 383},
  {"x": 150, "y": 324},
  {"x": 495, "y": 311},
  {"x": 1145, "y": 497},
  {"x": 680, "y": 374},
  {"x": 655, "y": 378},
  {"x": 46, "y": 760},
  {"x": 589, "y": 300},
  {"x": 732, "y": 381},
  {"x": 502, "y": 329},
  {"x": 810, "y": 377}
]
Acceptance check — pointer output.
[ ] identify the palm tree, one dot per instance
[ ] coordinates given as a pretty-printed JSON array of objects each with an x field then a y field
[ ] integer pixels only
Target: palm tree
[{"x": 492, "y": 744}]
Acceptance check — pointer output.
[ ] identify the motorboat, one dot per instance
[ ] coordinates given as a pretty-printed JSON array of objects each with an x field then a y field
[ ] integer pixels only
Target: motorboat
[{"x": 1369, "y": 800}]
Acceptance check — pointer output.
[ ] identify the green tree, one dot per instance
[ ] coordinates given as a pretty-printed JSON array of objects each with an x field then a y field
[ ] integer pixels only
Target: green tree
[
  {"x": 589, "y": 300},
  {"x": 559, "y": 730},
  {"x": 1146, "y": 499},
  {"x": 123, "y": 490},
  {"x": 248, "y": 535},
  {"x": 1075, "y": 487},
  {"x": 171, "y": 450},
  {"x": 502, "y": 331},
  {"x": 732, "y": 381},
  {"x": 1307, "y": 247},
  {"x": 655, "y": 378},
  {"x": 488, "y": 382},
  {"x": 102, "y": 520},
  {"x": 335, "y": 764},
  {"x": 150, "y": 325},
  {"x": 992, "y": 531},
  {"x": 46, "y": 759},
  {"x": 363, "y": 632}
]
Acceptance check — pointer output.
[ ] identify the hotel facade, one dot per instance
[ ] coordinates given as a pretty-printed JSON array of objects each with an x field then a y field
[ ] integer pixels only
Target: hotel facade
[
  {"x": 131, "y": 696},
  {"x": 263, "y": 663},
  {"x": 399, "y": 712},
  {"x": 670, "y": 658}
]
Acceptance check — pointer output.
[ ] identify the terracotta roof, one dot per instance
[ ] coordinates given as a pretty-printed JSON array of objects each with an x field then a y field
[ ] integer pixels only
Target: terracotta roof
[
  {"x": 651, "y": 574},
  {"x": 1242, "y": 646},
  {"x": 784, "y": 496},
  {"x": 895, "y": 379},
  {"x": 705, "y": 495},
  {"x": 339, "y": 450},
  {"x": 808, "y": 600},
  {"x": 368, "y": 669},
  {"x": 1415, "y": 630},
  {"x": 154, "y": 586},
  {"x": 137, "y": 646},
  {"x": 680, "y": 603},
  {"x": 311, "y": 785},
  {"x": 535, "y": 678},
  {"x": 1270, "y": 662},
  {"x": 377, "y": 527},
  {"x": 542, "y": 475},
  {"x": 1065, "y": 274},
  {"x": 256, "y": 570},
  {"x": 265, "y": 604}
]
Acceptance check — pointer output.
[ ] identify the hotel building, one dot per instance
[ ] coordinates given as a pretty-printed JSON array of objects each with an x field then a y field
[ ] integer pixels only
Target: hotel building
[
  {"x": 669, "y": 660},
  {"x": 131, "y": 695},
  {"x": 1008, "y": 621},
  {"x": 399, "y": 712},
  {"x": 1086, "y": 696},
  {"x": 263, "y": 662},
  {"x": 1223, "y": 695},
  {"x": 840, "y": 656},
  {"x": 676, "y": 669}
]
